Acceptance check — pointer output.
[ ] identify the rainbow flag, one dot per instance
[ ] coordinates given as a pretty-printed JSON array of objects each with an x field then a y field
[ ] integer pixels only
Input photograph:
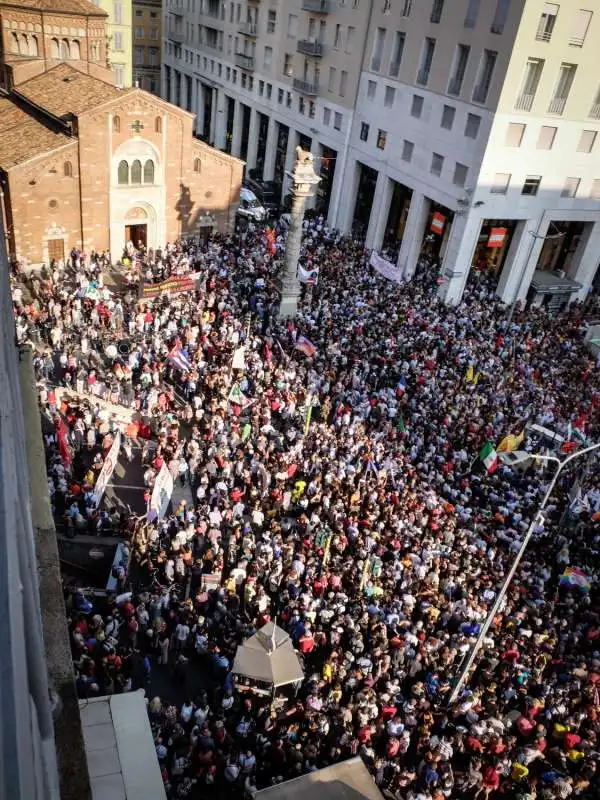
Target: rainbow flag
[{"x": 573, "y": 576}]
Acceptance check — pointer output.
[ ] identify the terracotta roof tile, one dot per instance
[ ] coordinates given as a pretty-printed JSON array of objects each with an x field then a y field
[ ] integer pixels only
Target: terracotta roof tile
[
  {"x": 65, "y": 90},
  {"x": 85, "y": 7},
  {"x": 22, "y": 137}
]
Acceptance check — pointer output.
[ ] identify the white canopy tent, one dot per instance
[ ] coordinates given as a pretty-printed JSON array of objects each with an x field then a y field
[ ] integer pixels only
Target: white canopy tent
[{"x": 269, "y": 657}]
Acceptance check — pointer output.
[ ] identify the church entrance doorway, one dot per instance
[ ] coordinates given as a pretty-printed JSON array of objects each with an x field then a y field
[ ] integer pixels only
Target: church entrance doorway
[
  {"x": 56, "y": 249},
  {"x": 137, "y": 234}
]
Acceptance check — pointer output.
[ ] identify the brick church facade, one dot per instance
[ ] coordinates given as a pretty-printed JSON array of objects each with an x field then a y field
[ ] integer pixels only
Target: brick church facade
[{"x": 85, "y": 164}]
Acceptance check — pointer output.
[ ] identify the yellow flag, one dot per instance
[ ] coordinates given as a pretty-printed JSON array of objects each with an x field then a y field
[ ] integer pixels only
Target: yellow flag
[
  {"x": 476, "y": 379},
  {"x": 510, "y": 443},
  {"x": 469, "y": 375}
]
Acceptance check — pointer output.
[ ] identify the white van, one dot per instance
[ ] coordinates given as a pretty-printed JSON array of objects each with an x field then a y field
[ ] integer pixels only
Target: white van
[{"x": 250, "y": 207}]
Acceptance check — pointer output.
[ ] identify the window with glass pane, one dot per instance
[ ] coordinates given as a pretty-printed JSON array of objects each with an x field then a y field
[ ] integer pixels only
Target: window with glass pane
[
  {"x": 397, "y": 52},
  {"x": 546, "y": 138},
  {"x": 337, "y": 121},
  {"x": 514, "y": 134},
  {"x": 595, "y": 190},
  {"x": 149, "y": 171},
  {"x": 136, "y": 172},
  {"x": 417, "y": 106},
  {"x": 378, "y": 43},
  {"x": 326, "y": 116},
  {"x": 547, "y": 22},
  {"x": 500, "y": 16},
  {"x": 407, "y": 150},
  {"x": 381, "y": 139},
  {"x": 448, "y": 115},
  {"x": 472, "y": 13},
  {"x": 437, "y": 164},
  {"x": 484, "y": 79},
  {"x": 271, "y": 20},
  {"x": 364, "y": 131},
  {"x": 461, "y": 60},
  {"x": 426, "y": 61},
  {"x": 566, "y": 76},
  {"x": 460, "y": 174},
  {"x": 437, "y": 11},
  {"x": 531, "y": 185},
  {"x": 587, "y": 141},
  {"x": 472, "y": 126},
  {"x": 123, "y": 173},
  {"x": 500, "y": 183},
  {"x": 389, "y": 95},
  {"x": 406, "y": 8},
  {"x": 570, "y": 188},
  {"x": 580, "y": 27},
  {"x": 371, "y": 88},
  {"x": 529, "y": 84}
]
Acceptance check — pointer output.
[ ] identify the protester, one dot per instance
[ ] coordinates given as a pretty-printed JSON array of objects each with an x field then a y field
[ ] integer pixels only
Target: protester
[{"x": 335, "y": 487}]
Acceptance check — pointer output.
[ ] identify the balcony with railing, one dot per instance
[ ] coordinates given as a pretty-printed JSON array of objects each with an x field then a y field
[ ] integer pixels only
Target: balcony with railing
[
  {"x": 524, "y": 102},
  {"x": 577, "y": 41},
  {"x": 316, "y": 6},
  {"x": 244, "y": 62},
  {"x": 306, "y": 87},
  {"x": 557, "y": 105},
  {"x": 248, "y": 29},
  {"x": 309, "y": 47},
  {"x": 595, "y": 111}
]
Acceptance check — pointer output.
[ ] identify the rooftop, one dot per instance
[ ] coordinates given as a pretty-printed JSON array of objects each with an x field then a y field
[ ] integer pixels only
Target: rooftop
[
  {"x": 84, "y": 7},
  {"x": 65, "y": 90},
  {"x": 22, "y": 136},
  {"x": 348, "y": 780}
]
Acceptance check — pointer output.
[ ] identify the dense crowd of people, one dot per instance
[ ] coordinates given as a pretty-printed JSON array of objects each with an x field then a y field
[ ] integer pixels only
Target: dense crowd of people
[{"x": 336, "y": 488}]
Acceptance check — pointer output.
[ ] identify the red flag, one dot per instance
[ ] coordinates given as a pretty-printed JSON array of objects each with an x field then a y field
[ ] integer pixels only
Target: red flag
[{"x": 62, "y": 435}]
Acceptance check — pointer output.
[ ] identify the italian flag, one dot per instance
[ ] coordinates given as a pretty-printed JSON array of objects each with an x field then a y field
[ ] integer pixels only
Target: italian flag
[{"x": 489, "y": 457}]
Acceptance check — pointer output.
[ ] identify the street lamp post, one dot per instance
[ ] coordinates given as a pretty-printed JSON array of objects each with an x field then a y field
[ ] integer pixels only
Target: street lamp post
[
  {"x": 304, "y": 182},
  {"x": 468, "y": 663}
]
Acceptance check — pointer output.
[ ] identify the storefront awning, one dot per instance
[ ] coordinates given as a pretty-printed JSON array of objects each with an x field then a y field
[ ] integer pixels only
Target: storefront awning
[{"x": 544, "y": 282}]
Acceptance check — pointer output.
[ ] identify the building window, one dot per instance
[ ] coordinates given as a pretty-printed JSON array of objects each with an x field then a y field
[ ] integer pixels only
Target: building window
[
  {"x": 472, "y": 126},
  {"x": 461, "y": 59},
  {"x": 460, "y": 174},
  {"x": 311, "y": 109},
  {"x": 68, "y": 169},
  {"x": 197, "y": 165},
  {"x": 288, "y": 99},
  {"x": 570, "y": 188},
  {"x": 595, "y": 190},
  {"x": 406, "y": 7},
  {"x": 547, "y": 22},
  {"x": 301, "y": 105},
  {"x": 350, "y": 37},
  {"x": 271, "y": 20},
  {"x": 94, "y": 52},
  {"x": 364, "y": 131},
  {"x": 118, "y": 41},
  {"x": 531, "y": 185},
  {"x": 268, "y": 57},
  {"x": 484, "y": 78},
  {"x": 500, "y": 16},
  {"x": 123, "y": 173},
  {"x": 288, "y": 65},
  {"x": 337, "y": 39},
  {"x": 149, "y": 171},
  {"x": 138, "y": 56},
  {"x": 139, "y": 32},
  {"x": 448, "y": 115},
  {"x": 416, "y": 108},
  {"x": 337, "y": 121},
  {"x": 397, "y": 52},
  {"x": 546, "y": 138},
  {"x": 472, "y": 13},
  {"x": 426, "y": 61},
  {"x": 116, "y": 124},
  {"x": 280, "y": 94},
  {"x": 292, "y": 26},
  {"x": 437, "y": 11},
  {"x": 408, "y": 149},
  {"x": 261, "y": 89},
  {"x": 118, "y": 13},
  {"x": 326, "y": 116},
  {"x": 580, "y": 28},
  {"x": 371, "y": 90},
  {"x": 136, "y": 172},
  {"x": 158, "y": 125},
  {"x": 529, "y": 84},
  {"x": 514, "y": 134},
  {"x": 34, "y": 49},
  {"x": 381, "y": 139},
  {"x": 153, "y": 60},
  {"x": 500, "y": 183},
  {"x": 153, "y": 34},
  {"x": 389, "y": 96},
  {"x": 378, "y": 43},
  {"x": 343, "y": 82},
  {"x": 331, "y": 81},
  {"x": 65, "y": 49},
  {"x": 566, "y": 76},
  {"x": 586, "y": 141},
  {"x": 437, "y": 164}
]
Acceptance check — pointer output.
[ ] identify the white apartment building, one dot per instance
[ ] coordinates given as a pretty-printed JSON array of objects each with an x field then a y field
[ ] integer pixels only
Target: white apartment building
[{"x": 468, "y": 127}]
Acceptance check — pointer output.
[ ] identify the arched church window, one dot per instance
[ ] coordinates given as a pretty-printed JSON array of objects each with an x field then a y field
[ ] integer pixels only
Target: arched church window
[
  {"x": 65, "y": 49},
  {"x": 75, "y": 50},
  {"x": 149, "y": 171},
  {"x": 34, "y": 49},
  {"x": 55, "y": 48},
  {"x": 136, "y": 172},
  {"x": 68, "y": 169},
  {"x": 116, "y": 124},
  {"x": 123, "y": 173},
  {"x": 197, "y": 165},
  {"x": 158, "y": 125}
]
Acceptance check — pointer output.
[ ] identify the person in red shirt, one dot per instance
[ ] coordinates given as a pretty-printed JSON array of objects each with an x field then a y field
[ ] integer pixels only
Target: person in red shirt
[{"x": 306, "y": 643}]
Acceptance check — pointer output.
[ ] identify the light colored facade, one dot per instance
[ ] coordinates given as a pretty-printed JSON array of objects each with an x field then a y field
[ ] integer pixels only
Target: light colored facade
[
  {"x": 458, "y": 125},
  {"x": 147, "y": 44},
  {"x": 120, "y": 43}
]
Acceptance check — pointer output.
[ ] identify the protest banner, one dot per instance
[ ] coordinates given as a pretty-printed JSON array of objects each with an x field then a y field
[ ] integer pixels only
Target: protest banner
[
  {"x": 385, "y": 268},
  {"x": 161, "y": 494},
  {"x": 110, "y": 462}
]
